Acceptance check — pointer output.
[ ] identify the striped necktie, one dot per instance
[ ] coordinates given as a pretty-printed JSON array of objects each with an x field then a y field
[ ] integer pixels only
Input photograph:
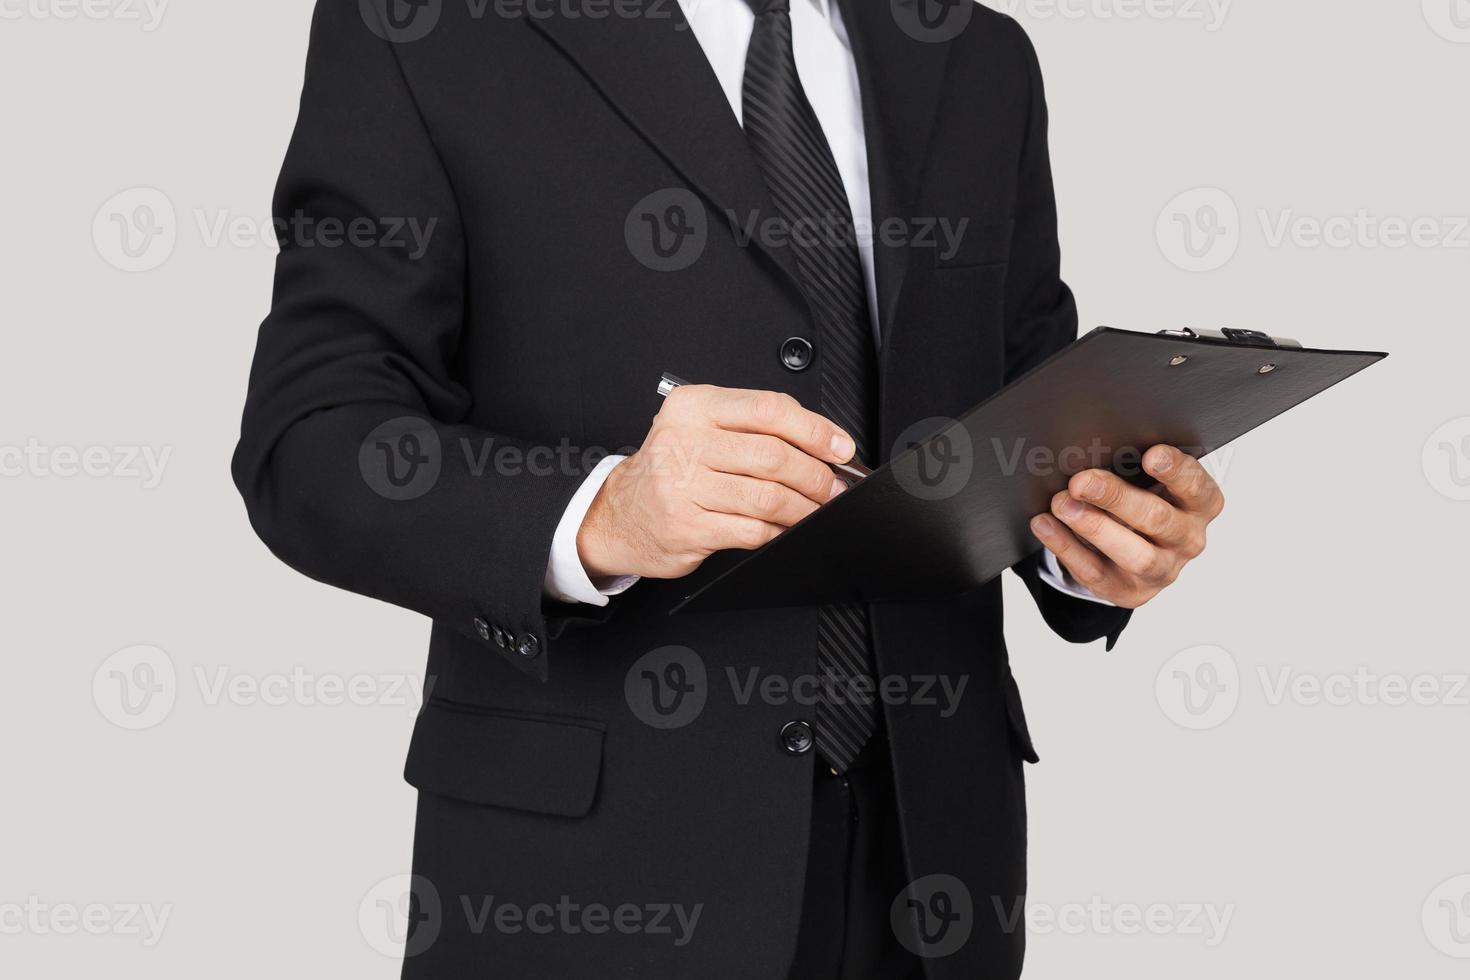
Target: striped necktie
[{"x": 807, "y": 189}]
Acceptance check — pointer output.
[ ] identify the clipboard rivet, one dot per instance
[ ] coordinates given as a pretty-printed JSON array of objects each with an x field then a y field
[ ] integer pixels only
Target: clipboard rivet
[
  {"x": 1266, "y": 369},
  {"x": 1178, "y": 359}
]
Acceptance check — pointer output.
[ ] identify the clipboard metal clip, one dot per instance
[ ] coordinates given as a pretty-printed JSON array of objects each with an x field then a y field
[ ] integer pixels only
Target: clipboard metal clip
[{"x": 1230, "y": 335}]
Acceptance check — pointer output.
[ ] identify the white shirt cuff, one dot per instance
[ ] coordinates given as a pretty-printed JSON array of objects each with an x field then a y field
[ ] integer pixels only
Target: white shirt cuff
[
  {"x": 566, "y": 579},
  {"x": 1054, "y": 575}
]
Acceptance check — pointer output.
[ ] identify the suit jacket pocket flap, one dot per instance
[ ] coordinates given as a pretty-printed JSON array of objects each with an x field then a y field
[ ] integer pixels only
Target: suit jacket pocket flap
[{"x": 534, "y": 763}]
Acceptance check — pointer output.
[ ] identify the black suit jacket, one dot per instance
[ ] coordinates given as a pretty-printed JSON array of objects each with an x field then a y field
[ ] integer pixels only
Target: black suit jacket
[{"x": 417, "y": 423}]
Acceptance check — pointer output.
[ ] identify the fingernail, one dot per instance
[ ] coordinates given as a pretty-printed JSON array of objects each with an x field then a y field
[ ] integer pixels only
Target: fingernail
[
  {"x": 1093, "y": 488},
  {"x": 1163, "y": 462},
  {"x": 843, "y": 448},
  {"x": 1072, "y": 508},
  {"x": 837, "y": 487},
  {"x": 1043, "y": 527}
]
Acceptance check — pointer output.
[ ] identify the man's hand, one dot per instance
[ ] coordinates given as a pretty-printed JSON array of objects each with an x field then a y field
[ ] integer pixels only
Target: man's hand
[
  {"x": 1125, "y": 544},
  {"x": 721, "y": 469}
]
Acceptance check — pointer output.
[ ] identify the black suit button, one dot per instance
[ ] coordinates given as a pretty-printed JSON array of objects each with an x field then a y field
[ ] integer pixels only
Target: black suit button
[
  {"x": 797, "y": 738},
  {"x": 796, "y": 353},
  {"x": 483, "y": 628},
  {"x": 530, "y": 647}
]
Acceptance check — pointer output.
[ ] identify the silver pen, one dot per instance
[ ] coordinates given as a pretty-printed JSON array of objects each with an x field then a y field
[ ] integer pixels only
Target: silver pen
[{"x": 851, "y": 472}]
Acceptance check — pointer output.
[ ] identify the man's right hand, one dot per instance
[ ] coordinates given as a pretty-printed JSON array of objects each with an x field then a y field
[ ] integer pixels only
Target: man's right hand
[{"x": 722, "y": 468}]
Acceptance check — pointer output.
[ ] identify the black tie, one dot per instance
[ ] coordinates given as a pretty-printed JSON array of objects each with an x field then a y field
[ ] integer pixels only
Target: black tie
[{"x": 807, "y": 190}]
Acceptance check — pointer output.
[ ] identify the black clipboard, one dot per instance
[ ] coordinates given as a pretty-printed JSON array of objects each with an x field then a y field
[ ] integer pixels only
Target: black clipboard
[{"x": 953, "y": 512}]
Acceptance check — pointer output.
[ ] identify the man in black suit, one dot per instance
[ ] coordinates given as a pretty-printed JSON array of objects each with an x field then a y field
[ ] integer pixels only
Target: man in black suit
[{"x": 838, "y": 214}]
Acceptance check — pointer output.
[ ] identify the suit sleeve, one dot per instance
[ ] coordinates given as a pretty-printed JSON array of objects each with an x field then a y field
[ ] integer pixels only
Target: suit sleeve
[
  {"x": 1041, "y": 319},
  {"x": 355, "y": 460}
]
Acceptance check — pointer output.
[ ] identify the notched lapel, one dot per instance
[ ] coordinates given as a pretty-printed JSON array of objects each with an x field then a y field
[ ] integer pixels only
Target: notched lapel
[
  {"x": 901, "y": 72},
  {"x": 645, "y": 60}
]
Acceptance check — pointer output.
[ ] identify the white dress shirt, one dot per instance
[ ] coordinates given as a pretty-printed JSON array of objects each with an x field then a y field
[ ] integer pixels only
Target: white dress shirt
[{"x": 829, "y": 75}]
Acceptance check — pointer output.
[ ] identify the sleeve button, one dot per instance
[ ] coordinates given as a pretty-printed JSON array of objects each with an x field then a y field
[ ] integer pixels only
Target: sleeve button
[{"x": 530, "y": 647}]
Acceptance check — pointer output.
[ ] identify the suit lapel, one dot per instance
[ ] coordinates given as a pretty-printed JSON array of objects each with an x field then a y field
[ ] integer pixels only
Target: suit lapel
[
  {"x": 653, "y": 71},
  {"x": 902, "y": 79}
]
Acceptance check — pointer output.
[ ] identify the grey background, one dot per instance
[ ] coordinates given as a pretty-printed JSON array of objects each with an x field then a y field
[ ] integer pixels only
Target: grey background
[{"x": 1331, "y": 834}]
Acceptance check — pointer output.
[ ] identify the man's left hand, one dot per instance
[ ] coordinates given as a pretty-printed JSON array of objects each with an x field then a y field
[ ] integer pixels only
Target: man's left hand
[{"x": 1125, "y": 544}]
